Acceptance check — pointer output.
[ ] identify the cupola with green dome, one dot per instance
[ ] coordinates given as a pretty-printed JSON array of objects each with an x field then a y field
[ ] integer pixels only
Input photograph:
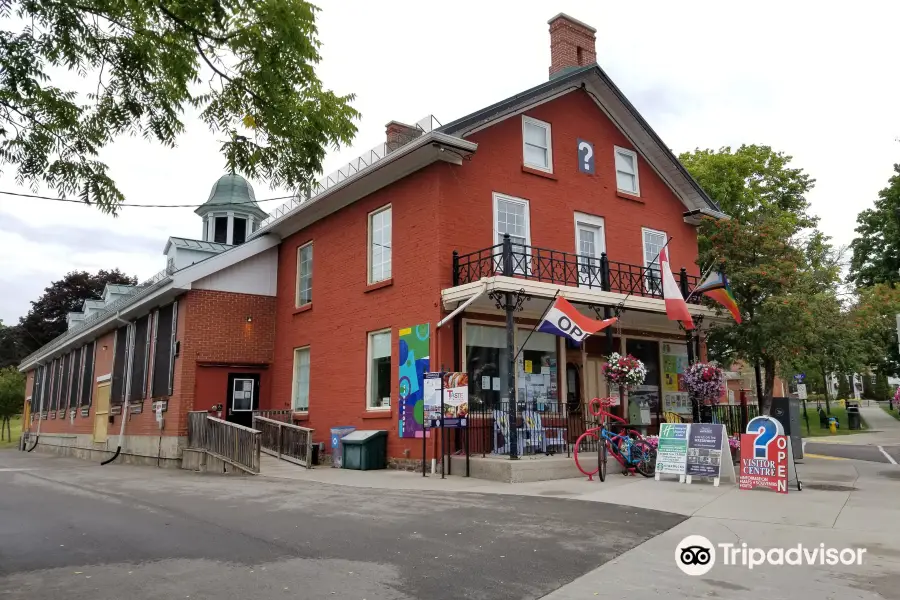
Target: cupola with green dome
[{"x": 230, "y": 214}]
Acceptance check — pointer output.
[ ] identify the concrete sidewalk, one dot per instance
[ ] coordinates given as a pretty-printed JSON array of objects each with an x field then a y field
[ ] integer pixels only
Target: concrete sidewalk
[
  {"x": 884, "y": 430},
  {"x": 866, "y": 517},
  {"x": 844, "y": 503}
]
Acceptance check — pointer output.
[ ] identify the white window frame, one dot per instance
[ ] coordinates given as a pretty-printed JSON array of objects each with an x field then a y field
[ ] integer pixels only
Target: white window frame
[
  {"x": 637, "y": 181},
  {"x": 590, "y": 221},
  {"x": 297, "y": 302},
  {"x": 647, "y": 259},
  {"x": 498, "y": 237},
  {"x": 295, "y": 382},
  {"x": 369, "y": 358},
  {"x": 526, "y": 120},
  {"x": 369, "y": 265}
]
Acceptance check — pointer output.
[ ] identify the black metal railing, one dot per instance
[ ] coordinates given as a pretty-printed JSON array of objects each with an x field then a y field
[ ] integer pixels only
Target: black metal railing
[
  {"x": 732, "y": 417},
  {"x": 547, "y": 428},
  {"x": 563, "y": 268}
]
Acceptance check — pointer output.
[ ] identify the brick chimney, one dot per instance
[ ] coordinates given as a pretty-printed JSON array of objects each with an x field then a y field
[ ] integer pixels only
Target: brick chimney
[
  {"x": 572, "y": 44},
  {"x": 399, "y": 134}
]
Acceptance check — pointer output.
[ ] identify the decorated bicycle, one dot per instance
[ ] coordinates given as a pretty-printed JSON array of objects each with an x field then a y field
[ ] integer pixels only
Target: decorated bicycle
[{"x": 630, "y": 449}]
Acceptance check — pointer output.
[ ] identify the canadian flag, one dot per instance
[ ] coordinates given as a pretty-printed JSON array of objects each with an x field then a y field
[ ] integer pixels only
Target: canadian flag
[{"x": 676, "y": 307}]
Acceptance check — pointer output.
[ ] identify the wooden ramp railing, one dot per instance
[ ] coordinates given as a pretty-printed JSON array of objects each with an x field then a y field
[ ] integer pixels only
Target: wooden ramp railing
[
  {"x": 230, "y": 442},
  {"x": 285, "y": 441}
]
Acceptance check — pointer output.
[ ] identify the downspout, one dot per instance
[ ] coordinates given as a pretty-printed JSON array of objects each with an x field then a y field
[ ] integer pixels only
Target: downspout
[
  {"x": 125, "y": 406},
  {"x": 41, "y": 411}
]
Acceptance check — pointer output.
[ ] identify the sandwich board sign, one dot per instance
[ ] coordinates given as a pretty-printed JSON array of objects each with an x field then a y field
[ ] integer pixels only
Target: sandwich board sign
[
  {"x": 767, "y": 460},
  {"x": 708, "y": 453},
  {"x": 671, "y": 453}
]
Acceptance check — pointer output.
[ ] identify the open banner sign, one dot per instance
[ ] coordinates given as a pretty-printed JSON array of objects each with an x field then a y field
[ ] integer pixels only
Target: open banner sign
[{"x": 764, "y": 456}]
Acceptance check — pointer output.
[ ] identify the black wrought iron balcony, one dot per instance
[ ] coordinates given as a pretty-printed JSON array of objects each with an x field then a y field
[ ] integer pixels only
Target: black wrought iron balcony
[{"x": 564, "y": 268}]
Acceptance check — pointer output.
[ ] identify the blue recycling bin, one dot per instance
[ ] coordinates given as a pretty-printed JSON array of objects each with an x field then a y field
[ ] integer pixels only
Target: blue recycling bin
[{"x": 337, "y": 449}]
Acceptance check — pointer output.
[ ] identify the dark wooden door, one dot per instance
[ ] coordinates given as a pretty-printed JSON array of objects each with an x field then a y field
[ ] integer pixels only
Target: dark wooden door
[{"x": 243, "y": 398}]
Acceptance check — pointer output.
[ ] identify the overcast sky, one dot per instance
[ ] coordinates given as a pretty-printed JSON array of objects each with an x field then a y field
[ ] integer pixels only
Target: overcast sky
[{"x": 818, "y": 83}]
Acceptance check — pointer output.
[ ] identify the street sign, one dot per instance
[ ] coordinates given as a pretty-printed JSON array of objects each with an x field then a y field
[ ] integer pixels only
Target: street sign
[
  {"x": 799, "y": 377},
  {"x": 801, "y": 391}
]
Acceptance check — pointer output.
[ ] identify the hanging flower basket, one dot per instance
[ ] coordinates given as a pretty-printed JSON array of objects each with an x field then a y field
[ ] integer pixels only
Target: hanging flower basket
[
  {"x": 705, "y": 382},
  {"x": 624, "y": 371}
]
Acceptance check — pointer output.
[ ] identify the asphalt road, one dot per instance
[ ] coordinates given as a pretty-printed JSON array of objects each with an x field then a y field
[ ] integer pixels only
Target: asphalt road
[
  {"x": 853, "y": 451},
  {"x": 76, "y": 530}
]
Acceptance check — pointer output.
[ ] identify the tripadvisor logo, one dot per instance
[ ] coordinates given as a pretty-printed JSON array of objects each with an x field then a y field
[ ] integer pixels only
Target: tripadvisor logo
[{"x": 696, "y": 555}]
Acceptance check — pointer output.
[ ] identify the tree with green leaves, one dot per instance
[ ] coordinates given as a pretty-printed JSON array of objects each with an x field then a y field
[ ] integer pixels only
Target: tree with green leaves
[
  {"x": 874, "y": 319},
  {"x": 774, "y": 271},
  {"x": 246, "y": 68},
  {"x": 876, "y": 248},
  {"x": 881, "y": 390},
  {"x": 753, "y": 180},
  {"x": 46, "y": 319},
  {"x": 12, "y": 399},
  {"x": 844, "y": 392}
]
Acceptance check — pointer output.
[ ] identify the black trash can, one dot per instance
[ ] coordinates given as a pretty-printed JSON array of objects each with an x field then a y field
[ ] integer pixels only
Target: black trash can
[{"x": 853, "y": 420}]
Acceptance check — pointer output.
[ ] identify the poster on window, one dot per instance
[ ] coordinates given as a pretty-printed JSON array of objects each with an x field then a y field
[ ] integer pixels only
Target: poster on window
[
  {"x": 413, "y": 346},
  {"x": 674, "y": 364}
]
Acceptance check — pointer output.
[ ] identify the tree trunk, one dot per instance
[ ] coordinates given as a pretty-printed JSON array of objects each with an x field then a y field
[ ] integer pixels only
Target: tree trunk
[
  {"x": 760, "y": 396},
  {"x": 827, "y": 395},
  {"x": 3, "y": 429},
  {"x": 769, "y": 366}
]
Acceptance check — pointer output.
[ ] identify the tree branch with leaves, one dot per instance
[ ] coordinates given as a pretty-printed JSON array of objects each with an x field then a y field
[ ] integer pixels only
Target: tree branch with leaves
[{"x": 145, "y": 59}]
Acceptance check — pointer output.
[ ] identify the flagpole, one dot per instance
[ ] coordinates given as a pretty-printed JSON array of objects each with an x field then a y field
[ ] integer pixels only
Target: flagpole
[
  {"x": 538, "y": 324},
  {"x": 622, "y": 303},
  {"x": 702, "y": 279}
]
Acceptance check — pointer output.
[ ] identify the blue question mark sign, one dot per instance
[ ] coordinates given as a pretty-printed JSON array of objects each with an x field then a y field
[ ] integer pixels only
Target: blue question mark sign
[{"x": 765, "y": 428}]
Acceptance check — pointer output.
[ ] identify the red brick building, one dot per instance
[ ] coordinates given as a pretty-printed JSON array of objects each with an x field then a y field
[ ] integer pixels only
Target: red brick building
[{"x": 332, "y": 306}]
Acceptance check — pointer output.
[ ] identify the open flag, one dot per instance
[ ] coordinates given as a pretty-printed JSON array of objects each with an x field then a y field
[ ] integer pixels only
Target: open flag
[
  {"x": 676, "y": 307},
  {"x": 716, "y": 287},
  {"x": 564, "y": 320}
]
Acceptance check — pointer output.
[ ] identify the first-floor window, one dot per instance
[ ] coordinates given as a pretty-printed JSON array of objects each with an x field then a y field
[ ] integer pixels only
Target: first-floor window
[
  {"x": 487, "y": 365},
  {"x": 380, "y": 369},
  {"x": 301, "y": 380},
  {"x": 654, "y": 242}
]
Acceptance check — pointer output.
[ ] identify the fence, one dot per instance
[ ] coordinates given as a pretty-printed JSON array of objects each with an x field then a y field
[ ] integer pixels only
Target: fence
[
  {"x": 197, "y": 429},
  {"x": 732, "y": 417},
  {"x": 283, "y": 415},
  {"x": 545, "y": 428},
  {"x": 288, "y": 442},
  {"x": 564, "y": 268},
  {"x": 230, "y": 442}
]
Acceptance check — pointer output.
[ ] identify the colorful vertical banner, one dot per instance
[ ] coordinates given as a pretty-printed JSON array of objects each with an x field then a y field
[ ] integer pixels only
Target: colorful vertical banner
[{"x": 414, "y": 345}]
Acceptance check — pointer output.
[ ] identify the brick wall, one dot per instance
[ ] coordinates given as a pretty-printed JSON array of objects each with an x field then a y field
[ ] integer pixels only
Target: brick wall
[
  {"x": 572, "y": 44},
  {"x": 437, "y": 210},
  {"x": 214, "y": 332},
  {"x": 102, "y": 366},
  {"x": 344, "y": 308},
  {"x": 466, "y": 192}
]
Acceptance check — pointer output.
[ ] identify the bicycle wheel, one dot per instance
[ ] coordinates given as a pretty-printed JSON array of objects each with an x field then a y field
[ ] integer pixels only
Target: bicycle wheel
[
  {"x": 601, "y": 460},
  {"x": 644, "y": 457}
]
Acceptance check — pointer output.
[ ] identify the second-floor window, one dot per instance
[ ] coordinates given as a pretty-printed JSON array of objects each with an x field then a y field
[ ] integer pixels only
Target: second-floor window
[
  {"x": 536, "y": 147},
  {"x": 627, "y": 172},
  {"x": 380, "y": 245},
  {"x": 511, "y": 216},
  {"x": 590, "y": 244},
  {"x": 654, "y": 241},
  {"x": 304, "y": 274}
]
